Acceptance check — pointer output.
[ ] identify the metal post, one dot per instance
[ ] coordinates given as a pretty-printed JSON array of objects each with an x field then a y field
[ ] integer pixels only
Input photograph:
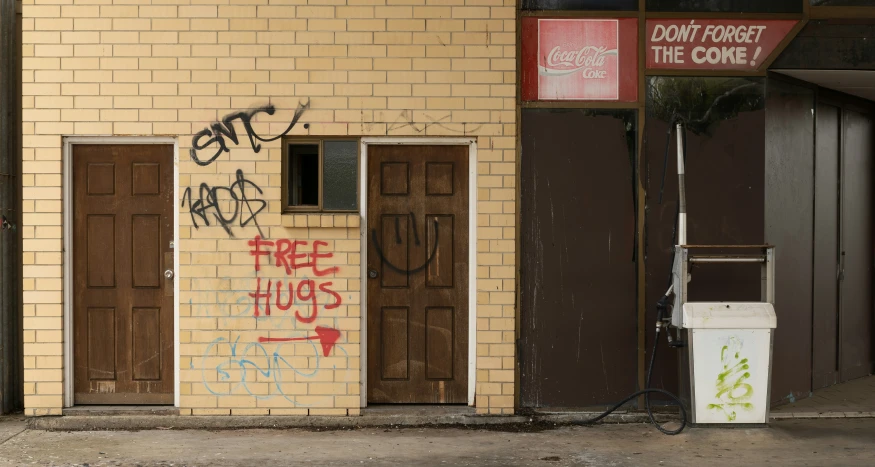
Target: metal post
[{"x": 682, "y": 190}]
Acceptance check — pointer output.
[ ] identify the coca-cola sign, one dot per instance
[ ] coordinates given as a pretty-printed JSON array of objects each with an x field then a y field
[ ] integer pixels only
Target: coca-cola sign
[{"x": 578, "y": 59}]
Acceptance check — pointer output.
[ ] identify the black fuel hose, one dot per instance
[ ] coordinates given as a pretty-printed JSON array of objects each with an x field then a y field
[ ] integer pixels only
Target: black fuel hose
[
  {"x": 647, "y": 391},
  {"x": 660, "y": 307}
]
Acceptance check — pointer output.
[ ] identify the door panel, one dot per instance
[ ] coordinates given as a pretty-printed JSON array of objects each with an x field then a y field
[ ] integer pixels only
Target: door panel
[
  {"x": 418, "y": 274},
  {"x": 856, "y": 233},
  {"x": 123, "y": 304},
  {"x": 826, "y": 247},
  {"x": 578, "y": 286}
]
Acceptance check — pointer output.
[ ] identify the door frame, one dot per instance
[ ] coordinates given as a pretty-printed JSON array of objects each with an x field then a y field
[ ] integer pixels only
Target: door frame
[
  {"x": 67, "y": 208},
  {"x": 471, "y": 142}
]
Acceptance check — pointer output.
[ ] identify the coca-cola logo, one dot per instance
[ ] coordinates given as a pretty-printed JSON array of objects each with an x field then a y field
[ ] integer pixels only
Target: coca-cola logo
[
  {"x": 587, "y": 56},
  {"x": 566, "y": 59}
]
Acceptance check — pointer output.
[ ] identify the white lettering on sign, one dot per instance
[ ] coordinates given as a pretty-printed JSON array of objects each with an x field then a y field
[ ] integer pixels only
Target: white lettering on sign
[
  {"x": 587, "y": 56},
  {"x": 713, "y": 43},
  {"x": 588, "y": 60}
]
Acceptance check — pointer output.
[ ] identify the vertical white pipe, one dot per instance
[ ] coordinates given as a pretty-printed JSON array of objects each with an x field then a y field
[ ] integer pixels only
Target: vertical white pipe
[{"x": 682, "y": 195}]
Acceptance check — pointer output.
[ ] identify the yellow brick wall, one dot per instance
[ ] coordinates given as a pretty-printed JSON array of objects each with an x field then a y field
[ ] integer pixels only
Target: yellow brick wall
[{"x": 171, "y": 68}]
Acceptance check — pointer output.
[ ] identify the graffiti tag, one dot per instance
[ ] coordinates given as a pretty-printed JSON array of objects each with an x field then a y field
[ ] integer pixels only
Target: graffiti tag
[
  {"x": 210, "y": 201},
  {"x": 218, "y": 131},
  {"x": 732, "y": 390}
]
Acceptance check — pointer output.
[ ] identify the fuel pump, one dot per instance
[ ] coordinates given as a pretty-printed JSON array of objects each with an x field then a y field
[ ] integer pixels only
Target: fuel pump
[{"x": 725, "y": 348}]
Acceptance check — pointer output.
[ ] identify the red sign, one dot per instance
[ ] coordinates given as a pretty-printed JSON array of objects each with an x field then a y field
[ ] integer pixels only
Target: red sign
[
  {"x": 713, "y": 44},
  {"x": 580, "y": 59}
]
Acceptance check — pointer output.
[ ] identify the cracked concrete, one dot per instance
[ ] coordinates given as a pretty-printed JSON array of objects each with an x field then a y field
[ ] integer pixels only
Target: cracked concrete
[{"x": 785, "y": 442}]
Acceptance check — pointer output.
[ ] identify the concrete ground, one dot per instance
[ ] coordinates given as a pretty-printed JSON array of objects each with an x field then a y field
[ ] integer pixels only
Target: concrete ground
[
  {"x": 851, "y": 397},
  {"x": 813, "y": 442}
]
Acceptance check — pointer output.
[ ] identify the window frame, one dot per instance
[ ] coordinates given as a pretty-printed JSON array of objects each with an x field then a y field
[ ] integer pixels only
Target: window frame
[{"x": 318, "y": 141}]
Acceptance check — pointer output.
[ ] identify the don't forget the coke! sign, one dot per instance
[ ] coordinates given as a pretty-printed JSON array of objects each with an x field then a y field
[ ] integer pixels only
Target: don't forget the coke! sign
[{"x": 578, "y": 59}]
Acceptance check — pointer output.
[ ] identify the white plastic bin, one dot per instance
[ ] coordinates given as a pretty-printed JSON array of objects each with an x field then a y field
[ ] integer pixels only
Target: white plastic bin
[{"x": 730, "y": 357}]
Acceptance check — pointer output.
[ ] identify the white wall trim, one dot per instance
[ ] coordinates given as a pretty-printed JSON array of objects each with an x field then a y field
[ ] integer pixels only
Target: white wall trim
[
  {"x": 472, "y": 251},
  {"x": 67, "y": 193}
]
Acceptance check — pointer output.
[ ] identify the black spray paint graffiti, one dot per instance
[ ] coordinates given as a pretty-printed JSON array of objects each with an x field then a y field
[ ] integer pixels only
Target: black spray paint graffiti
[
  {"x": 218, "y": 131},
  {"x": 395, "y": 268},
  {"x": 213, "y": 198}
]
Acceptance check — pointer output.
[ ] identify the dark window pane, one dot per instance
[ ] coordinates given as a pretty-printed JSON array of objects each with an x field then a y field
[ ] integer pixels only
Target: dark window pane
[
  {"x": 340, "y": 174},
  {"x": 580, "y": 4},
  {"x": 303, "y": 171},
  {"x": 746, "y": 6},
  {"x": 843, "y": 2}
]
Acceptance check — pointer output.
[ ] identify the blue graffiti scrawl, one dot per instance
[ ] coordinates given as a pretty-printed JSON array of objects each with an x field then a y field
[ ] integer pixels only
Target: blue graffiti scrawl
[{"x": 254, "y": 360}]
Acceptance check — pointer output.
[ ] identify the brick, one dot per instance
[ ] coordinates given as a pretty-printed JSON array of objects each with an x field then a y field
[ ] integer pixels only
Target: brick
[
  {"x": 157, "y": 11},
  {"x": 170, "y": 24},
  {"x": 198, "y": 11},
  {"x": 119, "y": 11},
  {"x": 160, "y": 37},
  {"x": 90, "y": 24},
  {"x": 131, "y": 24},
  {"x": 52, "y": 24}
]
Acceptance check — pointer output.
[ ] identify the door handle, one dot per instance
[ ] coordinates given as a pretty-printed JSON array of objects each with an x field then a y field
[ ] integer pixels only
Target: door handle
[
  {"x": 168, "y": 273},
  {"x": 841, "y": 275},
  {"x": 372, "y": 273}
]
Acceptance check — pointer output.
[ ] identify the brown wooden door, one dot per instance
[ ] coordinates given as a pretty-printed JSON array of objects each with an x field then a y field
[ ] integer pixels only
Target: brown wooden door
[
  {"x": 123, "y": 304},
  {"x": 417, "y": 274}
]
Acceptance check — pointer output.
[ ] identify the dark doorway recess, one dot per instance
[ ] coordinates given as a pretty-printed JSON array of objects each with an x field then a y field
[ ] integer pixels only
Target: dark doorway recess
[
  {"x": 578, "y": 245},
  {"x": 725, "y": 121}
]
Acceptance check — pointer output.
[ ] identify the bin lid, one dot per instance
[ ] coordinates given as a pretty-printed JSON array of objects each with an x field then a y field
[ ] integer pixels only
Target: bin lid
[{"x": 729, "y": 315}]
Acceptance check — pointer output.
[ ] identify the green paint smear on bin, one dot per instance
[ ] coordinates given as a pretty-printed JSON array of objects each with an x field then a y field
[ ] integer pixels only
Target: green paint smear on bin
[{"x": 733, "y": 392}]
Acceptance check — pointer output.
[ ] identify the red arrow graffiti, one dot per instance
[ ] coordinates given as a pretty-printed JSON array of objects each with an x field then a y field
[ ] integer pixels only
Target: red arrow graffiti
[{"x": 327, "y": 336}]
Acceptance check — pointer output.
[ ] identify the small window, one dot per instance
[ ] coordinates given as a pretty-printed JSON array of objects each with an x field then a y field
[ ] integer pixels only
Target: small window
[{"x": 320, "y": 175}]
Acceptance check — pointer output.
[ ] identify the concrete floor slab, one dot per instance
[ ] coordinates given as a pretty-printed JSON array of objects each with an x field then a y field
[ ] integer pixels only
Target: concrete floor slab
[
  {"x": 857, "y": 396},
  {"x": 787, "y": 442}
]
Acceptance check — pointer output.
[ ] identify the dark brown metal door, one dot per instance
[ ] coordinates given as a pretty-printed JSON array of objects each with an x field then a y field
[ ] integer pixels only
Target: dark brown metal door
[
  {"x": 843, "y": 247},
  {"x": 578, "y": 344},
  {"x": 417, "y": 274},
  {"x": 123, "y": 303},
  {"x": 856, "y": 318},
  {"x": 825, "y": 361}
]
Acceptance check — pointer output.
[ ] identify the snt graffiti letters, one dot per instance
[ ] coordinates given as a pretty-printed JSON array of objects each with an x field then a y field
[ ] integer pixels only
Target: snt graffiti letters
[{"x": 218, "y": 131}]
